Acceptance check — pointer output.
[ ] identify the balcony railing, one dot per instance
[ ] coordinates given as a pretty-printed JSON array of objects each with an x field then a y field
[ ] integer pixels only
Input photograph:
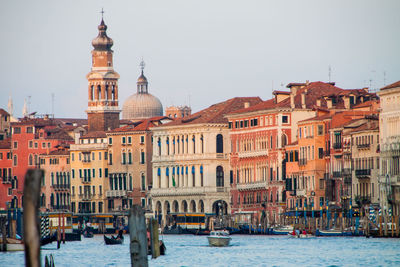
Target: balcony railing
[
  {"x": 361, "y": 146},
  {"x": 116, "y": 193},
  {"x": 364, "y": 173},
  {"x": 337, "y": 145},
  {"x": 300, "y": 192},
  {"x": 87, "y": 196},
  {"x": 337, "y": 174},
  {"x": 346, "y": 172},
  {"x": 85, "y": 180},
  {"x": 302, "y": 162},
  {"x": 7, "y": 180},
  {"x": 250, "y": 186}
]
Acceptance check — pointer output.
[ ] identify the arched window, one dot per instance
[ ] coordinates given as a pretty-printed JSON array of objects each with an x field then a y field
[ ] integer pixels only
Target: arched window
[
  {"x": 15, "y": 160},
  {"x": 201, "y": 176},
  {"x": 193, "y": 176},
  {"x": 220, "y": 144},
  {"x": 159, "y": 146},
  {"x": 30, "y": 159},
  {"x": 284, "y": 140},
  {"x": 92, "y": 92},
  {"x": 113, "y": 92},
  {"x": 202, "y": 144},
  {"x": 106, "y": 93},
  {"x": 194, "y": 144},
  {"x": 220, "y": 176},
  {"x": 167, "y": 145},
  {"x": 99, "y": 92}
]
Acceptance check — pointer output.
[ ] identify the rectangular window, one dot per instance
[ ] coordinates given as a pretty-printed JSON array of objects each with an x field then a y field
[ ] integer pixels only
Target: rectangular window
[
  {"x": 73, "y": 190},
  {"x": 255, "y": 122},
  {"x": 142, "y": 139},
  {"x": 99, "y": 172},
  {"x": 80, "y": 173},
  {"x": 106, "y": 172},
  {"x": 100, "y": 190},
  {"x": 43, "y": 145},
  {"x": 105, "y": 155},
  {"x": 320, "y": 129},
  {"x": 246, "y": 123},
  {"x": 142, "y": 161},
  {"x": 230, "y": 125},
  {"x": 92, "y": 155},
  {"x": 321, "y": 183},
  {"x": 73, "y": 173},
  {"x": 110, "y": 140},
  {"x": 110, "y": 159},
  {"x": 93, "y": 173},
  {"x": 29, "y": 129},
  {"x": 123, "y": 139},
  {"x": 17, "y": 130},
  {"x": 15, "y": 144},
  {"x": 129, "y": 157},
  {"x": 285, "y": 119},
  {"x": 320, "y": 152},
  {"x": 99, "y": 155},
  {"x": 30, "y": 144},
  {"x": 241, "y": 124}
]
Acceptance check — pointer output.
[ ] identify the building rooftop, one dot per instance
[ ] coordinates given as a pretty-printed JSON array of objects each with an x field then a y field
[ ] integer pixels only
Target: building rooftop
[
  {"x": 390, "y": 86},
  {"x": 216, "y": 113}
]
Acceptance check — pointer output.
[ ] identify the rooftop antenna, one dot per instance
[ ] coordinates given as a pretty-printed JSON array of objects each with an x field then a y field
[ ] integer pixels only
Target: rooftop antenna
[
  {"x": 384, "y": 78},
  {"x": 52, "y": 104},
  {"x": 329, "y": 73}
]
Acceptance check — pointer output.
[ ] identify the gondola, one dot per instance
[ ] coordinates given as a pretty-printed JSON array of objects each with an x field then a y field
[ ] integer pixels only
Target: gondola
[{"x": 113, "y": 240}]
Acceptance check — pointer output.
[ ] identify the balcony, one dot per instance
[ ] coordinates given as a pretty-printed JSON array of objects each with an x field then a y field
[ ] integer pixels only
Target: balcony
[
  {"x": 300, "y": 192},
  {"x": 187, "y": 191},
  {"x": 85, "y": 180},
  {"x": 116, "y": 193},
  {"x": 86, "y": 160},
  {"x": 363, "y": 146},
  {"x": 337, "y": 145},
  {"x": 60, "y": 187},
  {"x": 395, "y": 179},
  {"x": 87, "y": 196},
  {"x": 7, "y": 180},
  {"x": 337, "y": 174},
  {"x": 251, "y": 186},
  {"x": 364, "y": 173},
  {"x": 347, "y": 172},
  {"x": 302, "y": 162}
]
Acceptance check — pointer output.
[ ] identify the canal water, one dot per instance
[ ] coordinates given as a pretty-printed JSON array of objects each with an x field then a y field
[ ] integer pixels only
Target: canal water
[{"x": 188, "y": 250}]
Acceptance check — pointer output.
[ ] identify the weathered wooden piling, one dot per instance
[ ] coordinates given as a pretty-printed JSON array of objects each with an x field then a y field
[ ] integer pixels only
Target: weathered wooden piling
[
  {"x": 31, "y": 220},
  {"x": 155, "y": 243},
  {"x": 138, "y": 237},
  {"x": 3, "y": 221}
]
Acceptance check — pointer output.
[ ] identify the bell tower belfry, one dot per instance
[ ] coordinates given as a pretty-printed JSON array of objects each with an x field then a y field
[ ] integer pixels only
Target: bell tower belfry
[{"x": 103, "y": 111}]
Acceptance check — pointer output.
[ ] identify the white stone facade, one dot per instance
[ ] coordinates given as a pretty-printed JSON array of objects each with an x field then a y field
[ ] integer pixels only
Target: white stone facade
[{"x": 191, "y": 170}]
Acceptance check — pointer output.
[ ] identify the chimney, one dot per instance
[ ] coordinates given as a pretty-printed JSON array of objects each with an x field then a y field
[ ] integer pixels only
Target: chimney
[
  {"x": 303, "y": 100},
  {"x": 346, "y": 100},
  {"x": 246, "y": 104},
  {"x": 292, "y": 101},
  {"x": 329, "y": 102}
]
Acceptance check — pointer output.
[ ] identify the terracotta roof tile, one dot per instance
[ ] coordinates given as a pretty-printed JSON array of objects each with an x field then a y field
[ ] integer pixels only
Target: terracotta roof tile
[
  {"x": 94, "y": 134},
  {"x": 142, "y": 125},
  {"x": 216, "y": 113},
  {"x": 3, "y": 112},
  {"x": 390, "y": 86}
]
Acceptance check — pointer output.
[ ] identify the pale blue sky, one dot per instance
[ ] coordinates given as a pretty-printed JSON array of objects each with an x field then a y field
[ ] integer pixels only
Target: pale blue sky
[{"x": 206, "y": 50}]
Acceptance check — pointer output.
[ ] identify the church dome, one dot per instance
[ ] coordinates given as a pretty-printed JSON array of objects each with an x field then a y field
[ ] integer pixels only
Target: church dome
[{"x": 141, "y": 105}]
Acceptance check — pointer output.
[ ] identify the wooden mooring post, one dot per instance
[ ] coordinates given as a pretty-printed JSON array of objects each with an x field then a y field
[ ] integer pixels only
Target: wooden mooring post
[
  {"x": 155, "y": 243},
  {"x": 138, "y": 237},
  {"x": 3, "y": 221},
  {"x": 31, "y": 220}
]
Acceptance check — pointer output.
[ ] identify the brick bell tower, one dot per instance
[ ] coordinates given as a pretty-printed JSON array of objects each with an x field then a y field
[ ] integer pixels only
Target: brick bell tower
[{"x": 103, "y": 111}]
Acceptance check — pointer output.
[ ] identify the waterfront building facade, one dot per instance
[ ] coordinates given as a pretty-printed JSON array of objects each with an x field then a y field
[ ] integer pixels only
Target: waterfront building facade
[
  {"x": 5, "y": 119},
  {"x": 89, "y": 173},
  {"x": 6, "y": 186},
  {"x": 31, "y": 138},
  {"x": 389, "y": 134},
  {"x": 130, "y": 150},
  {"x": 55, "y": 186},
  {"x": 191, "y": 171},
  {"x": 361, "y": 160}
]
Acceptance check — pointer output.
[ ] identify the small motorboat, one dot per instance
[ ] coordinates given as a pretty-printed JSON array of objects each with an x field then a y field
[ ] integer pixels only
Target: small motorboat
[
  {"x": 113, "y": 240},
  {"x": 13, "y": 244},
  {"x": 88, "y": 234},
  {"x": 219, "y": 238},
  {"x": 300, "y": 236},
  {"x": 284, "y": 230}
]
